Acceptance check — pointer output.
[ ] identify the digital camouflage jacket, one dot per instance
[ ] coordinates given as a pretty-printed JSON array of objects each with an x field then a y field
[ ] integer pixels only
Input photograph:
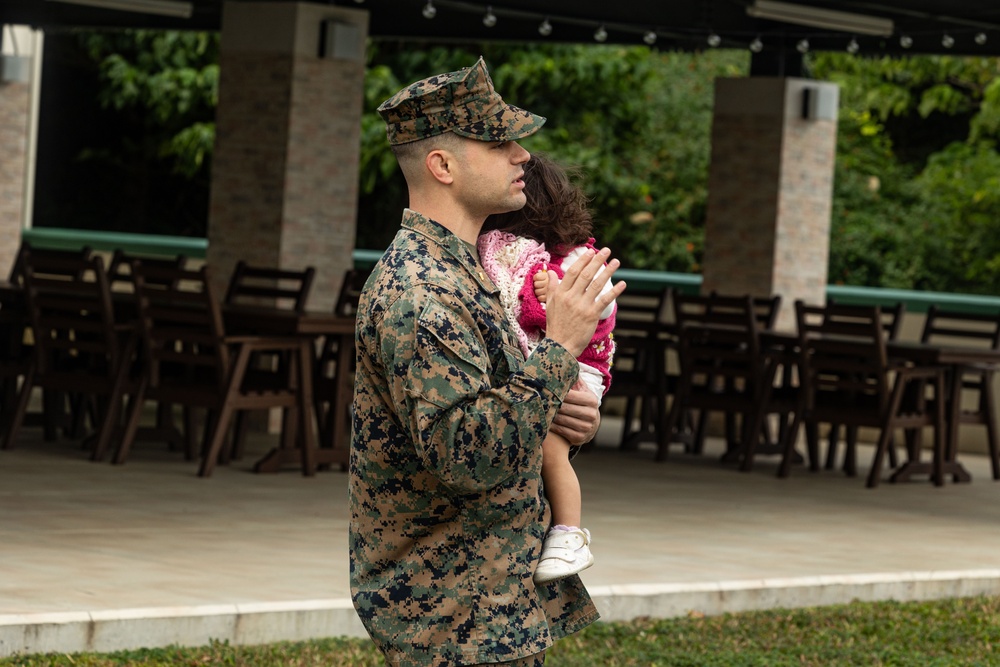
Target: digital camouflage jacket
[{"x": 447, "y": 510}]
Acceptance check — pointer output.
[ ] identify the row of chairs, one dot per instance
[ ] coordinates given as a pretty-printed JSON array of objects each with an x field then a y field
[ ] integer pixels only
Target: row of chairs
[
  {"x": 727, "y": 361},
  {"x": 170, "y": 347}
]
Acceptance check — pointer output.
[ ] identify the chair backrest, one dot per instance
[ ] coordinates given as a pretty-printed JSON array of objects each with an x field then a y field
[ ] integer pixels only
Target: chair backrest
[
  {"x": 719, "y": 310},
  {"x": 892, "y": 317},
  {"x": 71, "y": 313},
  {"x": 642, "y": 306},
  {"x": 17, "y": 269},
  {"x": 844, "y": 356},
  {"x": 942, "y": 326},
  {"x": 350, "y": 292},
  {"x": 766, "y": 310},
  {"x": 120, "y": 267},
  {"x": 181, "y": 323},
  {"x": 285, "y": 288},
  {"x": 719, "y": 339}
]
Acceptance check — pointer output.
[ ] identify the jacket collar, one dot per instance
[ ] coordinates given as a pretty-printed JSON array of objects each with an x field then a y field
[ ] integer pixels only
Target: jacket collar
[{"x": 441, "y": 236}]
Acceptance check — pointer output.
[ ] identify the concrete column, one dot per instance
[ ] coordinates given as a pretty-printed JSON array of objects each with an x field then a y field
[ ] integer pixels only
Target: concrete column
[
  {"x": 288, "y": 136},
  {"x": 20, "y": 68},
  {"x": 770, "y": 189}
]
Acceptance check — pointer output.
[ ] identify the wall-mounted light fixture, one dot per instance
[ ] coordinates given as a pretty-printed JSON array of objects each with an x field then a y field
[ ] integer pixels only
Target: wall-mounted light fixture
[
  {"x": 14, "y": 68},
  {"x": 341, "y": 41},
  {"x": 816, "y": 17},
  {"x": 159, "y": 7}
]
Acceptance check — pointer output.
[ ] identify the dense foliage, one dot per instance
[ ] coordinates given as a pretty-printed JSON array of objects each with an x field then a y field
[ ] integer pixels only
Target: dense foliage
[
  {"x": 640, "y": 134},
  {"x": 126, "y": 131},
  {"x": 916, "y": 201}
]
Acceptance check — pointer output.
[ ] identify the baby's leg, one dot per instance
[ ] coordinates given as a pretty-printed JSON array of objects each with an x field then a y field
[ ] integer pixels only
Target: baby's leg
[
  {"x": 562, "y": 488},
  {"x": 566, "y": 549}
]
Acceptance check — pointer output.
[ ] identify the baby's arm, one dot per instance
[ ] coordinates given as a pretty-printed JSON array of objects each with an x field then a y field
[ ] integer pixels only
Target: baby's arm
[{"x": 541, "y": 285}]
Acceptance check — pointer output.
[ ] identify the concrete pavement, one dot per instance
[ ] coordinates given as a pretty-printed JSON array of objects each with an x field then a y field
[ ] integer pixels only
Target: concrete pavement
[{"x": 102, "y": 557}]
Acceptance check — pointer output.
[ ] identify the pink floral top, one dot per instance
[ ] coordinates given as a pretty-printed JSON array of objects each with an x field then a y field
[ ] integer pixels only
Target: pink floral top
[{"x": 511, "y": 262}]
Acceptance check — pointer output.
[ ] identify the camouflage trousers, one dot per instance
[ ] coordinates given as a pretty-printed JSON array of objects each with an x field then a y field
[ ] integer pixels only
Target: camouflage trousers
[{"x": 537, "y": 660}]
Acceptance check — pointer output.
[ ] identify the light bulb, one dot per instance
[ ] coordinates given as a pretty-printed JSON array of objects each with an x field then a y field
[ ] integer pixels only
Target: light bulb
[
  {"x": 947, "y": 41},
  {"x": 545, "y": 28},
  {"x": 756, "y": 46},
  {"x": 853, "y": 46},
  {"x": 490, "y": 19},
  {"x": 802, "y": 46},
  {"x": 429, "y": 11},
  {"x": 905, "y": 41},
  {"x": 714, "y": 40},
  {"x": 601, "y": 35},
  {"x": 649, "y": 37},
  {"x": 980, "y": 38}
]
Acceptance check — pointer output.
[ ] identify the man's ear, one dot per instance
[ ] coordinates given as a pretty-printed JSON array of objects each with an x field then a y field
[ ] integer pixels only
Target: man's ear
[{"x": 441, "y": 163}]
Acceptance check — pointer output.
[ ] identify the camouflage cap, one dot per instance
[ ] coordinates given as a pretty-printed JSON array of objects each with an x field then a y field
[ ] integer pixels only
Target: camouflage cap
[{"x": 463, "y": 102}]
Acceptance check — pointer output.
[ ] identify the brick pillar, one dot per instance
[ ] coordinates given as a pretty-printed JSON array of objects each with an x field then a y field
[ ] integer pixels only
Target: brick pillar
[
  {"x": 770, "y": 189},
  {"x": 288, "y": 136},
  {"x": 18, "y": 81}
]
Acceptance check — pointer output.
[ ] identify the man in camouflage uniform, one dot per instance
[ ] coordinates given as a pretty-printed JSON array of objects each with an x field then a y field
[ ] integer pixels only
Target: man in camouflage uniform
[{"x": 447, "y": 510}]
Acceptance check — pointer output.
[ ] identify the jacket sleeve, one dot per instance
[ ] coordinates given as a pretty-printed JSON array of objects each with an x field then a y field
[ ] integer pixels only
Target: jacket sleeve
[{"x": 477, "y": 416}]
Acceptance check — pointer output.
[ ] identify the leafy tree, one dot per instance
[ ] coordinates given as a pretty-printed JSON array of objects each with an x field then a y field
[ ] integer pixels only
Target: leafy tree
[
  {"x": 169, "y": 82},
  {"x": 640, "y": 135},
  {"x": 923, "y": 128},
  {"x": 142, "y": 163}
]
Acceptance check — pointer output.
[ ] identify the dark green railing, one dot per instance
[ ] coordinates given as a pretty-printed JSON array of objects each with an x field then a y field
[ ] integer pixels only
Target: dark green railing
[
  {"x": 152, "y": 244},
  {"x": 140, "y": 244}
]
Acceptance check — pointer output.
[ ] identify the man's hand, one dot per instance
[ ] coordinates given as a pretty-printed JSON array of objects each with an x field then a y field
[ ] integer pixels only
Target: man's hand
[
  {"x": 574, "y": 304},
  {"x": 578, "y": 417}
]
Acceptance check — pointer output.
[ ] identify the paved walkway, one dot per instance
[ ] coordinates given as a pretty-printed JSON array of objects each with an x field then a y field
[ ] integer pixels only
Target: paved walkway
[{"x": 100, "y": 557}]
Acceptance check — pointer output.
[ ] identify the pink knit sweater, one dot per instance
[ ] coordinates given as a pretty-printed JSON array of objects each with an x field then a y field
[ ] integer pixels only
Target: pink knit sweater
[{"x": 511, "y": 262}]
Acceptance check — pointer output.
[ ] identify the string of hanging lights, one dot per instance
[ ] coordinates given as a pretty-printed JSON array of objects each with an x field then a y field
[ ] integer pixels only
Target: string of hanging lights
[{"x": 548, "y": 24}]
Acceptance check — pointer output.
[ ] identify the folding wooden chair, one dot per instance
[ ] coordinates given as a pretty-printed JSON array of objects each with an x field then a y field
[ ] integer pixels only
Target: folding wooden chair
[
  {"x": 892, "y": 322},
  {"x": 640, "y": 374},
  {"x": 979, "y": 405},
  {"x": 335, "y": 368},
  {"x": 723, "y": 369},
  {"x": 250, "y": 285},
  {"x": 847, "y": 378},
  {"x": 190, "y": 361},
  {"x": 79, "y": 349}
]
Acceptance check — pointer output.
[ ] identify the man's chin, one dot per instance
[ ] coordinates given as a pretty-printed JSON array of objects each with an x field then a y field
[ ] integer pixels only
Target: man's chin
[{"x": 515, "y": 204}]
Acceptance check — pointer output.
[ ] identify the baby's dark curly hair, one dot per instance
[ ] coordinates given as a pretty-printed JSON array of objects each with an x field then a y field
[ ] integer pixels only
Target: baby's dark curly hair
[{"x": 556, "y": 213}]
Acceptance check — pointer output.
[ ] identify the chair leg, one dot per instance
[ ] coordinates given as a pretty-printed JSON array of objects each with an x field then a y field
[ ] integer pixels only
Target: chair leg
[
  {"x": 627, "y": 443},
  {"x": 788, "y": 445},
  {"x": 989, "y": 407},
  {"x": 832, "y": 440},
  {"x": 23, "y": 396},
  {"x": 885, "y": 435},
  {"x": 305, "y": 391},
  {"x": 216, "y": 440},
  {"x": 133, "y": 411},
  {"x": 940, "y": 441},
  {"x": 851, "y": 451},
  {"x": 672, "y": 421}
]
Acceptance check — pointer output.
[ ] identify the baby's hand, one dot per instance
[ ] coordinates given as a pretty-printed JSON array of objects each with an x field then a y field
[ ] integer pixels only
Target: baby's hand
[{"x": 541, "y": 285}]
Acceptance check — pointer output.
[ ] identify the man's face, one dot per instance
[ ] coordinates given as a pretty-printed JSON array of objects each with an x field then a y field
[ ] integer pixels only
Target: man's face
[{"x": 490, "y": 179}]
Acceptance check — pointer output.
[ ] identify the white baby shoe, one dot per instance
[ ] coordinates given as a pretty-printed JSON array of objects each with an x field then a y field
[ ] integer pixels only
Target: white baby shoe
[{"x": 564, "y": 552}]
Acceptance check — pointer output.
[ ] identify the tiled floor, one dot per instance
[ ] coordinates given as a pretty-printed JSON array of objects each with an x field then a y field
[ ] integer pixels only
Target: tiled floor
[
  {"x": 84, "y": 537},
  {"x": 77, "y": 535}
]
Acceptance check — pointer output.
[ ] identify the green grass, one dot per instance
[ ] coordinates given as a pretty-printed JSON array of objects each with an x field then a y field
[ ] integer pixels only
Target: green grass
[{"x": 925, "y": 634}]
